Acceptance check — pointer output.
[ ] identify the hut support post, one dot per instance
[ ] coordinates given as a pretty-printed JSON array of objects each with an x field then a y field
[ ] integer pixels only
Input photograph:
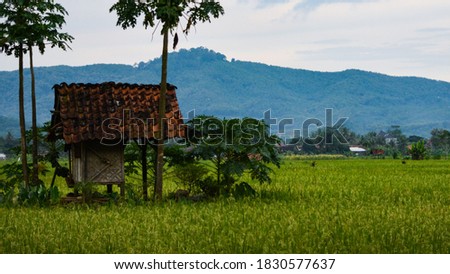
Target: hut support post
[{"x": 122, "y": 189}]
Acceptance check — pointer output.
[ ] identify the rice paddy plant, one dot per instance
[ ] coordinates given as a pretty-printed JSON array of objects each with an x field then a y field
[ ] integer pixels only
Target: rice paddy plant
[{"x": 333, "y": 206}]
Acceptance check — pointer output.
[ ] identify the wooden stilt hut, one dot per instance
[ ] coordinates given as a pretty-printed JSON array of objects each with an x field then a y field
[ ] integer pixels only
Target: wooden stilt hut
[{"x": 97, "y": 120}]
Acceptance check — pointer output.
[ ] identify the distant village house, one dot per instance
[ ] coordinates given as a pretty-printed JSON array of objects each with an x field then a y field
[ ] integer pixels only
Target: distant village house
[
  {"x": 358, "y": 151},
  {"x": 388, "y": 138}
]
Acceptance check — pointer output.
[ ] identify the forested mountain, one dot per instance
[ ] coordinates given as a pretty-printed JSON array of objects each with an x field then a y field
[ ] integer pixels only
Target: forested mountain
[{"x": 210, "y": 84}]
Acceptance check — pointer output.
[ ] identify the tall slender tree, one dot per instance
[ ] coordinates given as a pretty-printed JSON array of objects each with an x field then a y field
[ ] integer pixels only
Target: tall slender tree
[
  {"x": 13, "y": 37},
  {"x": 47, "y": 20},
  {"x": 27, "y": 24},
  {"x": 168, "y": 14}
]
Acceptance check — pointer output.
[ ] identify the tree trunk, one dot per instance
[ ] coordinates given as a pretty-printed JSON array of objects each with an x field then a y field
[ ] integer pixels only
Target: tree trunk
[
  {"x": 162, "y": 115},
  {"x": 144, "y": 170},
  {"x": 35, "y": 174},
  {"x": 23, "y": 140}
]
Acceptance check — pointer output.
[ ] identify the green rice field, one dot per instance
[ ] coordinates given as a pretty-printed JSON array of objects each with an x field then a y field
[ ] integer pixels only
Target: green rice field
[{"x": 333, "y": 206}]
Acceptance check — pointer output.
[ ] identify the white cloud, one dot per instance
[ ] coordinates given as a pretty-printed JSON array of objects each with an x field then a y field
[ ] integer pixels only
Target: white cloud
[{"x": 313, "y": 4}]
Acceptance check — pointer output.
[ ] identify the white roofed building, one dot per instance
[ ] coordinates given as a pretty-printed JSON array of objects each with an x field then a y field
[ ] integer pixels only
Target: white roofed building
[{"x": 358, "y": 151}]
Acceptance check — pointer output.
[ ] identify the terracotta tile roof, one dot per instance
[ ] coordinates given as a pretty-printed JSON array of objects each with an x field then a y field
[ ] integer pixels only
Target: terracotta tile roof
[{"x": 113, "y": 111}]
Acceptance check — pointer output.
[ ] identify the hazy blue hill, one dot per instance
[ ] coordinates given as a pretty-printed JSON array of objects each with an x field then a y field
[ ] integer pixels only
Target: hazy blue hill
[
  {"x": 210, "y": 84},
  {"x": 9, "y": 125}
]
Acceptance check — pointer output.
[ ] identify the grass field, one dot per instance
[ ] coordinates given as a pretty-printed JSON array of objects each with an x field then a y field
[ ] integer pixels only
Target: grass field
[{"x": 338, "y": 206}]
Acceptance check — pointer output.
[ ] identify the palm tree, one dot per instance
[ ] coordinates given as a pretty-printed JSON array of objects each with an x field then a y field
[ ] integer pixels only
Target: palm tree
[{"x": 169, "y": 14}]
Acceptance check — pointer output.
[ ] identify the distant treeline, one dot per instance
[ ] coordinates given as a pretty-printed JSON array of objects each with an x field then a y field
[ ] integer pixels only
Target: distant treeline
[{"x": 391, "y": 143}]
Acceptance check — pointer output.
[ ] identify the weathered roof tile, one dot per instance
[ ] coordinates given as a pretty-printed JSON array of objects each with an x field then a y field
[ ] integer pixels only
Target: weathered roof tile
[{"x": 112, "y": 110}]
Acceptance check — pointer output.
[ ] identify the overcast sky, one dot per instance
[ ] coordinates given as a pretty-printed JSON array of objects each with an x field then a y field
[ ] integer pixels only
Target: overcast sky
[{"x": 395, "y": 37}]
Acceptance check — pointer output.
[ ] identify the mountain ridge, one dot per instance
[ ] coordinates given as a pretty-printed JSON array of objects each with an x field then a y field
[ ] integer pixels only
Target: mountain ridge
[{"x": 210, "y": 84}]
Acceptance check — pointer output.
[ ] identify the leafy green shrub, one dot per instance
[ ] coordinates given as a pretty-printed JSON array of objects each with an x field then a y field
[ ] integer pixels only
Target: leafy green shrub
[
  {"x": 38, "y": 196},
  {"x": 87, "y": 189},
  {"x": 436, "y": 157},
  {"x": 188, "y": 176},
  {"x": 6, "y": 193},
  {"x": 179, "y": 195},
  {"x": 132, "y": 194},
  {"x": 395, "y": 155},
  {"x": 35, "y": 195},
  {"x": 210, "y": 186},
  {"x": 13, "y": 172},
  {"x": 418, "y": 151},
  {"x": 243, "y": 190}
]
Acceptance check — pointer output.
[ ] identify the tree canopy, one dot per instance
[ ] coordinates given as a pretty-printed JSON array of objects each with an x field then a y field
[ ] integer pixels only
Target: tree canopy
[
  {"x": 168, "y": 12},
  {"x": 32, "y": 23}
]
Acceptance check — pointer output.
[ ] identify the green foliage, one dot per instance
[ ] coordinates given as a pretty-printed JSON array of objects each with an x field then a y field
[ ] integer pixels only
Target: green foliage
[
  {"x": 38, "y": 195},
  {"x": 13, "y": 173},
  {"x": 32, "y": 23},
  {"x": 190, "y": 175},
  {"x": 324, "y": 141},
  {"x": 242, "y": 190},
  {"x": 395, "y": 155},
  {"x": 49, "y": 152},
  {"x": 210, "y": 187},
  {"x": 133, "y": 195},
  {"x": 440, "y": 142},
  {"x": 233, "y": 146},
  {"x": 174, "y": 155},
  {"x": 244, "y": 146},
  {"x": 14, "y": 29},
  {"x": 133, "y": 161},
  {"x": 88, "y": 191},
  {"x": 7, "y": 192},
  {"x": 418, "y": 151},
  {"x": 169, "y": 13}
]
